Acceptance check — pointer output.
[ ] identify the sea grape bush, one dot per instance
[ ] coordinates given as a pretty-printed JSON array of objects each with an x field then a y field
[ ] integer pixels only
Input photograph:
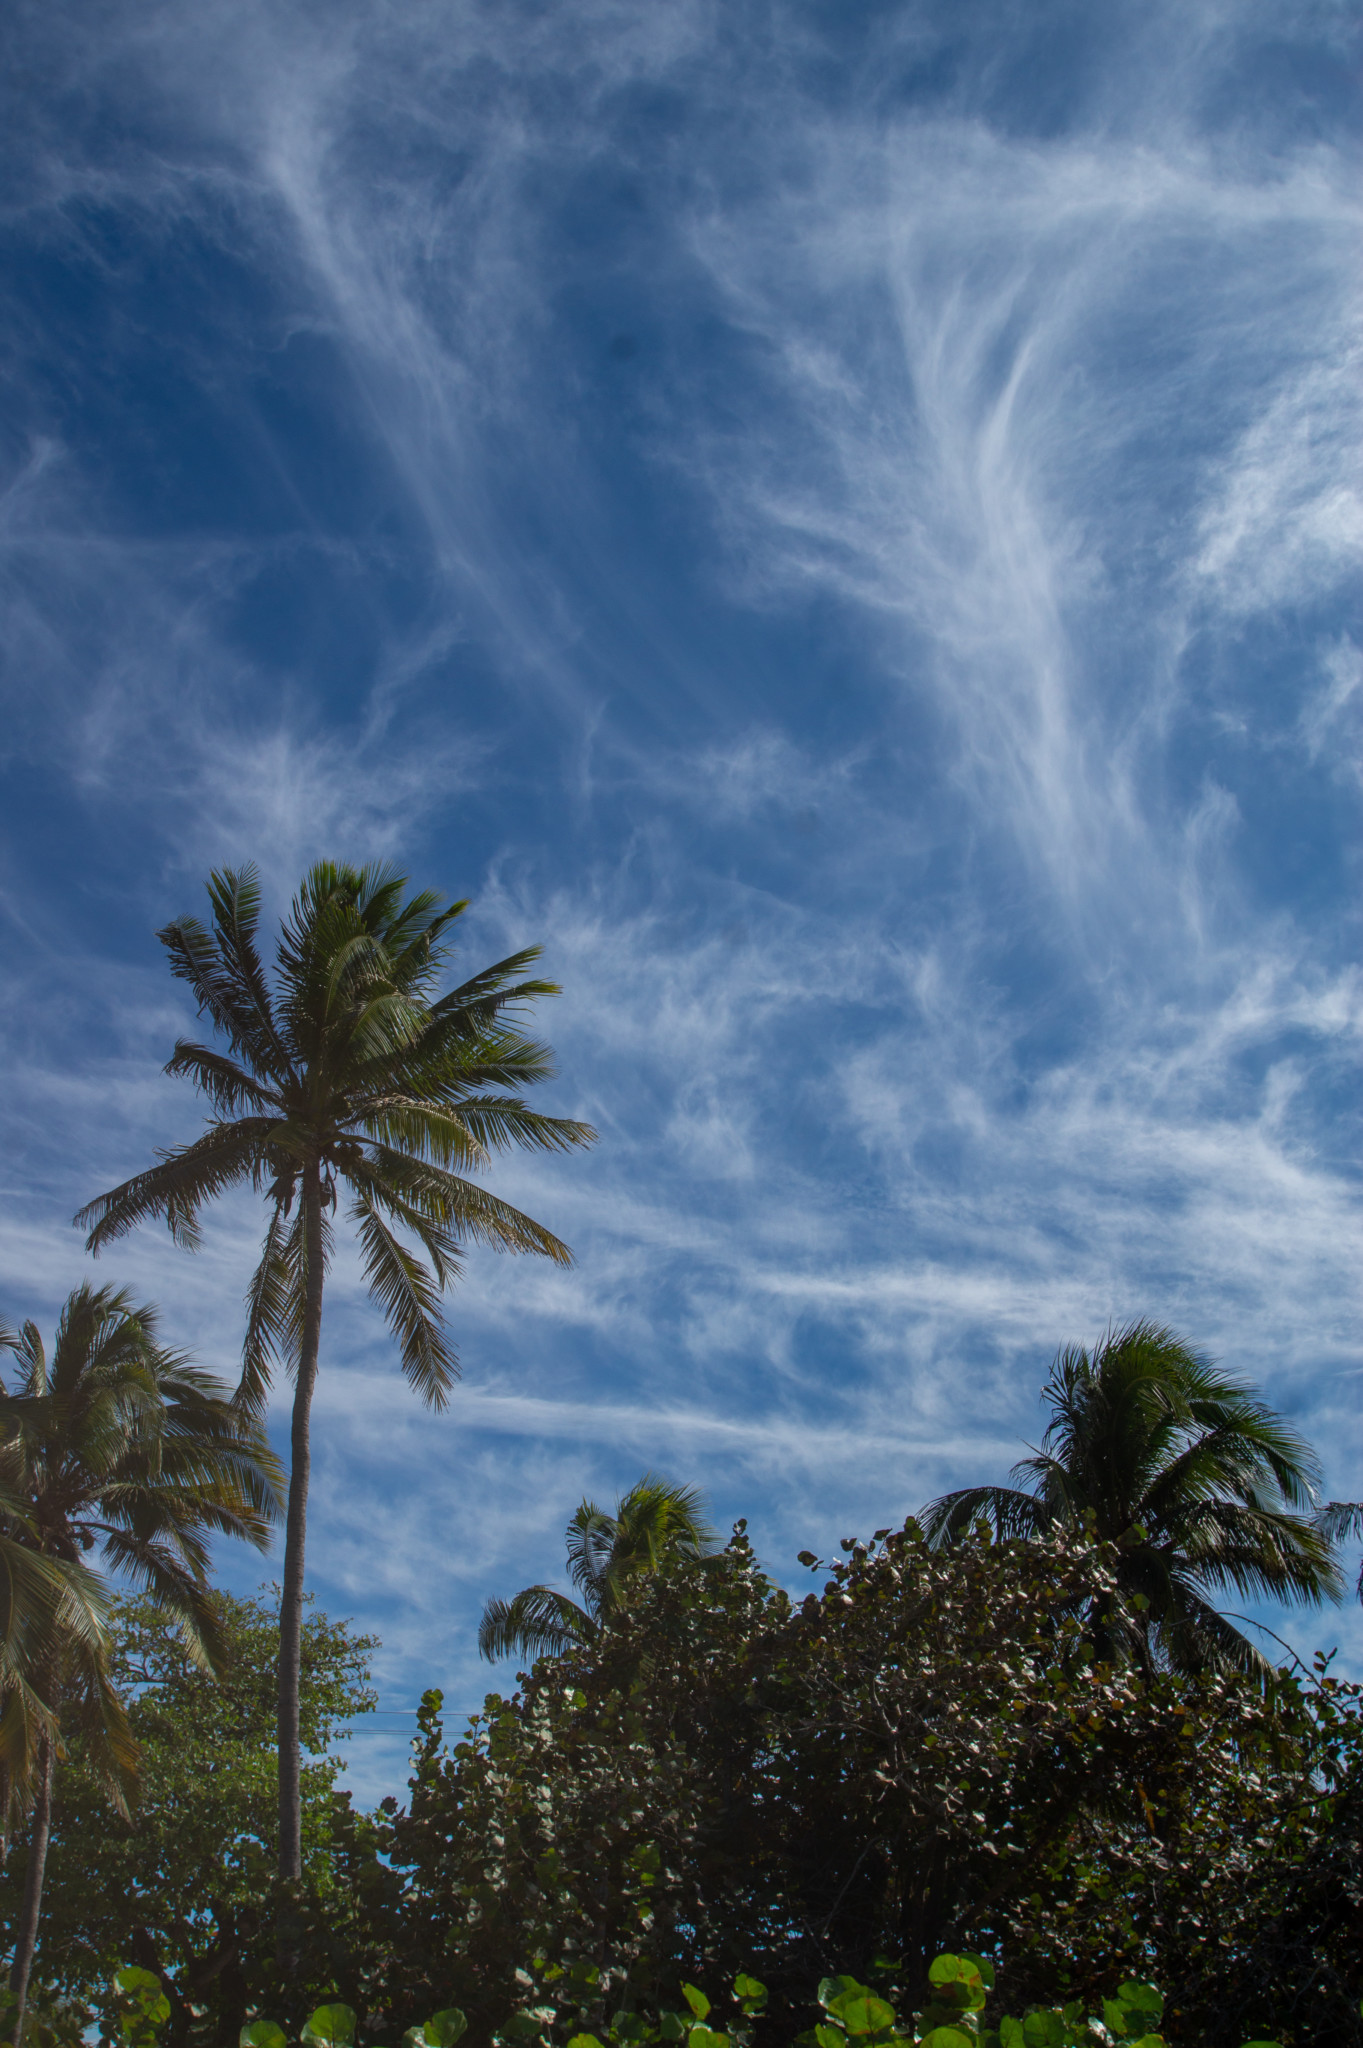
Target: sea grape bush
[{"x": 855, "y": 2015}]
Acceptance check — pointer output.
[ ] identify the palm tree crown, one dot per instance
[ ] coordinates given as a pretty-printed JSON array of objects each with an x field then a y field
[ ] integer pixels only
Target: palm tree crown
[
  {"x": 1200, "y": 1485},
  {"x": 121, "y": 1447},
  {"x": 349, "y": 1069},
  {"x": 656, "y": 1526}
]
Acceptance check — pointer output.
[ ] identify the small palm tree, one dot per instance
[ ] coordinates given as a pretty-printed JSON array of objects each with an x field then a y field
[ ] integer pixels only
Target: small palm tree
[
  {"x": 351, "y": 1069},
  {"x": 123, "y": 1450},
  {"x": 1197, "y": 1482},
  {"x": 655, "y": 1527}
]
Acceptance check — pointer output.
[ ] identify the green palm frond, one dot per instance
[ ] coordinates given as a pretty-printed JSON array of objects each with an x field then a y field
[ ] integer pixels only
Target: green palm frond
[
  {"x": 410, "y": 1301},
  {"x": 1009, "y": 1513},
  {"x": 223, "y": 968},
  {"x": 272, "y": 1319},
  {"x": 421, "y": 1130},
  {"x": 460, "y": 1208},
  {"x": 537, "y": 1622},
  {"x": 183, "y": 1180},
  {"x": 496, "y": 1122},
  {"x": 484, "y": 998},
  {"x": 227, "y": 1084}
]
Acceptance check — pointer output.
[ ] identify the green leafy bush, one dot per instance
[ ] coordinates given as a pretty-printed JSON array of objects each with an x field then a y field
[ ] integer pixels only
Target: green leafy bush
[{"x": 855, "y": 2015}]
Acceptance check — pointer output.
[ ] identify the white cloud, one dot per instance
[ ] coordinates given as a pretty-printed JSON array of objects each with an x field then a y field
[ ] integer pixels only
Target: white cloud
[{"x": 1284, "y": 518}]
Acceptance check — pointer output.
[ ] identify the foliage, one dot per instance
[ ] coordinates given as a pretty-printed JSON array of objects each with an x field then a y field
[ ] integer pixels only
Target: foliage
[
  {"x": 854, "y": 2015},
  {"x": 922, "y": 1756},
  {"x": 1201, "y": 1487},
  {"x": 185, "y": 1888},
  {"x": 655, "y": 1526}
]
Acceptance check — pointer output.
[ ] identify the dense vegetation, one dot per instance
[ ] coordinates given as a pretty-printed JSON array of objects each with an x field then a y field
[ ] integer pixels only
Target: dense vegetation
[
  {"x": 1023, "y": 1735},
  {"x": 921, "y": 1755}
]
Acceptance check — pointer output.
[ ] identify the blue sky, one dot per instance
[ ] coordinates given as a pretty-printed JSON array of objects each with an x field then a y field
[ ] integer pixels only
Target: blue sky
[{"x": 842, "y": 522}]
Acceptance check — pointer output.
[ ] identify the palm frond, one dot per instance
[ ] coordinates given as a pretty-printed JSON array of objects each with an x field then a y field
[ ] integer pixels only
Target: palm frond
[
  {"x": 224, "y": 970},
  {"x": 272, "y": 1315},
  {"x": 227, "y": 1084},
  {"x": 411, "y": 1304},
  {"x": 182, "y": 1181},
  {"x": 1009, "y": 1513},
  {"x": 468, "y": 1212},
  {"x": 479, "y": 1002},
  {"x": 538, "y": 1622},
  {"x": 1197, "y": 1638}
]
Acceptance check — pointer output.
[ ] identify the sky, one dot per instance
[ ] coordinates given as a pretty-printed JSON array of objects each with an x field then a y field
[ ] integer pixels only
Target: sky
[{"x": 841, "y": 523}]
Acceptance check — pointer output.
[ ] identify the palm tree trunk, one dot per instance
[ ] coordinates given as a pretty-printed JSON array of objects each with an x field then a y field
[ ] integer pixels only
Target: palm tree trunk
[
  {"x": 295, "y": 1536},
  {"x": 26, "y": 1937}
]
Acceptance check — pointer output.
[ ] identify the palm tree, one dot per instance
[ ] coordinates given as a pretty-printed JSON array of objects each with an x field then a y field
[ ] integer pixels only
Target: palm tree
[
  {"x": 44, "y": 1602},
  {"x": 655, "y": 1526},
  {"x": 1198, "y": 1484},
  {"x": 350, "y": 1069},
  {"x": 124, "y": 1449}
]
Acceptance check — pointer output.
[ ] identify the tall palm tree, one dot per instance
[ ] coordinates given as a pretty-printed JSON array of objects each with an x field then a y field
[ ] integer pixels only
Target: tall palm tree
[
  {"x": 655, "y": 1526},
  {"x": 349, "y": 1069},
  {"x": 1199, "y": 1484},
  {"x": 124, "y": 1450}
]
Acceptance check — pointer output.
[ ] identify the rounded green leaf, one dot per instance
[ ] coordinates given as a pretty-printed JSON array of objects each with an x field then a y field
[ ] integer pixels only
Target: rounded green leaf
[
  {"x": 706, "y": 2037},
  {"x": 1044, "y": 2028},
  {"x": 751, "y": 1995},
  {"x": 261, "y": 2034},
  {"x": 863, "y": 2014},
  {"x": 957, "y": 1982},
  {"x": 131, "y": 1979},
  {"x": 443, "y": 2029},
  {"x": 833, "y": 1988},
  {"x": 984, "y": 1969},
  {"x": 947, "y": 2037},
  {"x": 829, "y": 2037},
  {"x": 698, "y": 2002},
  {"x": 331, "y": 2026},
  {"x": 1142, "y": 1998},
  {"x": 584, "y": 2041}
]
